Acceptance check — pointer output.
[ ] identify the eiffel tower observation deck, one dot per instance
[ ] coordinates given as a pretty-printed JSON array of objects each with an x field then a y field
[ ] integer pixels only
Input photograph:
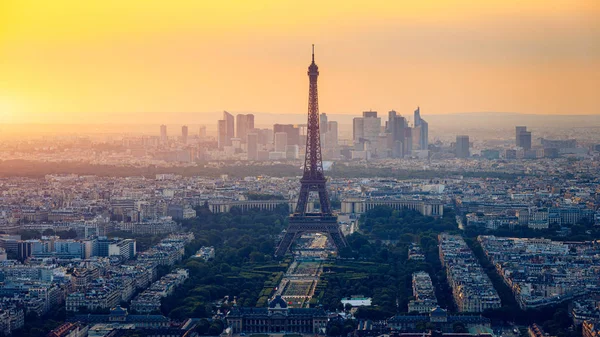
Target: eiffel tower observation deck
[{"x": 313, "y": 180}]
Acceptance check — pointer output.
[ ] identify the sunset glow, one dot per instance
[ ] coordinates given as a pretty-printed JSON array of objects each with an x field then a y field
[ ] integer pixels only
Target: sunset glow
[{"x": 89, "y": 61}]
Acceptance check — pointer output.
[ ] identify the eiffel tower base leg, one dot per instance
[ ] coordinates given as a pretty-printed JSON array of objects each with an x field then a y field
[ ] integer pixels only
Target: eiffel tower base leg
[{"x": 324, "y": 224}]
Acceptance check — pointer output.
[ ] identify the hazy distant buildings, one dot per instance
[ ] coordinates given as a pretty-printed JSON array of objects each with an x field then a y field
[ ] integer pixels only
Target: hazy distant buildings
[
  {"x": 163, "y": 134},
  {"x": 252, "y": 146},
  {"x": 462, "y": 146},
  {"x": 518, "y": 131},
  {"x": 221, "y": 133},
  {"x": 329, "y": 136},
  {"x": 202, "y": 131},
  {"x": 421, "y": 130},
  {"x": 292, "y": 132},
  {"x": 371, "y": 126},
  {"x": 225, "y": 130},
  {"x": 523, "y": 137},
  {"x": 395, "y": 129},
  {"x": 281, "y": 139},
  {"x": 229, "y": 127},
  {"x": 245, "y": 124},
  {"x": 357, "y": 129},
  {"x": 184, "y": 134}
]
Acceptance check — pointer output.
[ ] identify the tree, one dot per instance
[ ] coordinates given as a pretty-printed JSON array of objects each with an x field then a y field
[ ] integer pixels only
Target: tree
[
  {"x": 333, "y": 331},
  {"x": 348, "y": 307},
  {"x": 459, "y": 327}
]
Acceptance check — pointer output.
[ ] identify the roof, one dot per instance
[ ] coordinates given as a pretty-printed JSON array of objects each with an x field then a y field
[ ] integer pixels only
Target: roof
[{"x": 277, "y": 303}]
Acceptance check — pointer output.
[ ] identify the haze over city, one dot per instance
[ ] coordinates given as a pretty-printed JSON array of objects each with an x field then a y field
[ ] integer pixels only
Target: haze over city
[
  {"x": 299, "y": 168},
  {"x": 124, "y": 62}
]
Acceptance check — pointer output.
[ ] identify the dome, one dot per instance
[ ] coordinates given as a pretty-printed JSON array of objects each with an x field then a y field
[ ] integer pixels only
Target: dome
[{"x": 277, "y": 303}]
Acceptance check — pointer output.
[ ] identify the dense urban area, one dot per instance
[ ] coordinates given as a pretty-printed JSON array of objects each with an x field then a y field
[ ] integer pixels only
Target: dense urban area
[{"x": 178, "y": 236}]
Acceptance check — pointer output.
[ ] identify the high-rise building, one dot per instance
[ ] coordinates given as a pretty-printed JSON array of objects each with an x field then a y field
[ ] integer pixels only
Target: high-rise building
[
  {"x": 292, "y": 131},
  {"x": 408, "y": 141},
  {"x": 524, "y": 140},
  {"x": 229, "y": 126},
  {"x": 202, "y": 131},
  {"x": 523, "y": 137},
  {"x": 252, "y": 146},
  {"x": 265, "y": 136},
  {"x": 396, "y": 135},
  {"x": 323, "y": 129},
  {"x": 462, "y": 146},
  {"x": 423, "y": 130},
  {"x": 357, "y": 129},
  {"x": 281, "y": 139},
  {"x": 225, "y": 130},
  {"x": 371, "y": 126},
  {"x": 222, "y": 134},
  {"x": 163, "y": 134},
  {"x": 332, "y": 134},
  {"x": 245, "y": 124},
  {"x": 518, "y": 131},
  {"x": 184, "y": 134}
]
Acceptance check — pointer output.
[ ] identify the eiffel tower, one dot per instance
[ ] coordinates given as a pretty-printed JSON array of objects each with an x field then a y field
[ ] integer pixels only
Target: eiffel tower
[{"x": 313, "y": 180}]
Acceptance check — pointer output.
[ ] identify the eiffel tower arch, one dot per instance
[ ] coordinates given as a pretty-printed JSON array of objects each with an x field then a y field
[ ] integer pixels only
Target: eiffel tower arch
[{"x": 313, "y": 180}]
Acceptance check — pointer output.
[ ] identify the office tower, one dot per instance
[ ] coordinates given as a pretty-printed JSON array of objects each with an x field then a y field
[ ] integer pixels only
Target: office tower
[
  {"x": 229, "y": 127},
  {"x": 163, "y": 134},
  {"x": 202, "y": 131},
  {"x": 369, "y": 114},
  {"x": 222, "y": 133},
  {"x": 292, "y": 131},
  {"x": 357, "y": 129},
  {"x": 250, "y": 122},
  {"x": 371, "y": 126},
  {"x": 281, "y": 139},
  {"x": 524, "y": 140},
  {"x": 423, "y": 130},
  {"x": 323, "y": 129},
  {"x": 396, "y": 129},
  {"x": 245, "y": 124},
  {"x": 332, "y": 134},
  {"x": 408, "y": 141},
  {"x": 462, "y": 146},
  {"x": 252, "y": 146},
  {"x": 518, "y": 131},
  {"x": 265, "y": 136},
  {"x": 184, "y": 134},
  {"x": 389, "y": 126}
]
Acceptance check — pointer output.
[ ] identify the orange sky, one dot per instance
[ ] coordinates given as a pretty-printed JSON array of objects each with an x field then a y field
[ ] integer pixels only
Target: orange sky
[{"x": 82, "y": 61}]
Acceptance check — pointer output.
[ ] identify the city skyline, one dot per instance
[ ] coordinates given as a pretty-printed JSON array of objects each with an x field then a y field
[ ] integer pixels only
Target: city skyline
[{"x": 125, "y": 62}]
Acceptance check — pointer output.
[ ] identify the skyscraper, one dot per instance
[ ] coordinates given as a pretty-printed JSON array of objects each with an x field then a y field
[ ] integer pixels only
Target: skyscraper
[
  {"x": 222, "y": 134},
  {"x": 462, "y": 146},
  {"x": 323, "y": 129},
  {"x": 184, "y": 134},
  {"x": 252, "y": 146},
  {"x": 518, "y": 130},
  {"x": 371, "y": 126},
  {"x": 229, "y": 126},
  {"x": 423, "y": 130},
  {"x": 281, "y": 139},
  {"x": 332, "y": 134},
  {"x": 202, "y": 131},
  {"x": 357, "y": 129},
  {"x": 292, "y": 131},
  {"x": 524, "y": 140},
  {"x": 245, "y": 124},
  {"x": 163, "y": 134}
]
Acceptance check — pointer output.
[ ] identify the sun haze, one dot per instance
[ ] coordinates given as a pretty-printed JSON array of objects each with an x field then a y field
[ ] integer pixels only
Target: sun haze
[{"x": 96, "y": 61}]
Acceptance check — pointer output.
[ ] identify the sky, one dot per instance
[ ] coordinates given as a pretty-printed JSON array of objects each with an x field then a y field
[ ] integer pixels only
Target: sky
[{"x": 150, "y": 61}]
